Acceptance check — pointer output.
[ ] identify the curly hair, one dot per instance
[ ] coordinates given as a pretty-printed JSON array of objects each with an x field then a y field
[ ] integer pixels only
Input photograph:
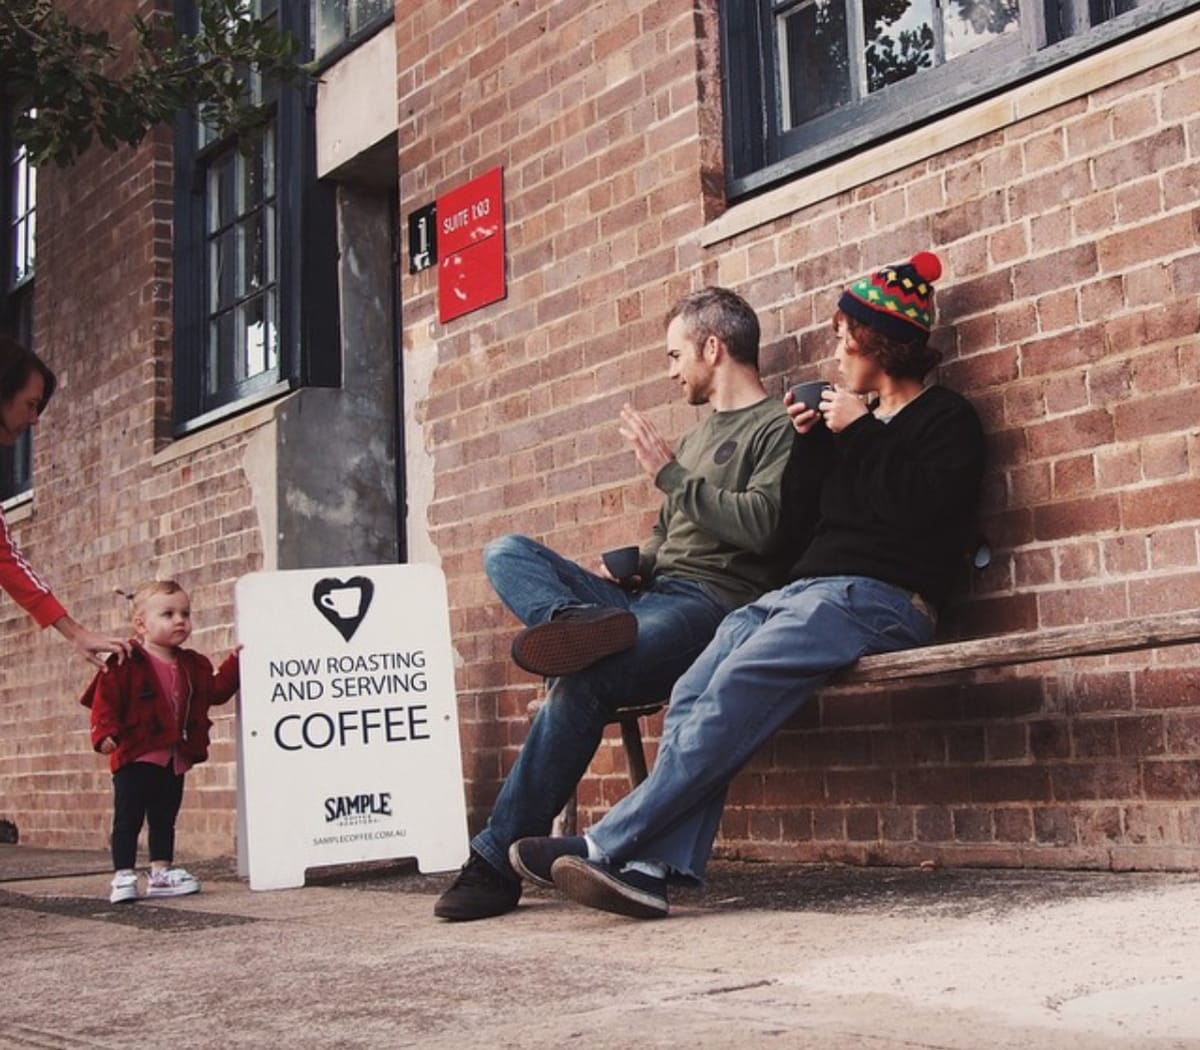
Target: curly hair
[{"x": 900, "y": 360}]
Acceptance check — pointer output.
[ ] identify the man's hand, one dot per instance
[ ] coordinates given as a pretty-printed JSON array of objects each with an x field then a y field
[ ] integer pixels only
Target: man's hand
[
  {"x": 628, "y": 583},
  {"x": 652, "y": 452},
  {"x": 108, "y": 745}
]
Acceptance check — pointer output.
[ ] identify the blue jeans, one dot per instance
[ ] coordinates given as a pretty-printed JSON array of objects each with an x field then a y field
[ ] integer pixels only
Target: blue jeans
[
  {"x": 676, "y": 619},
  {"x": 766, "y": 660}
]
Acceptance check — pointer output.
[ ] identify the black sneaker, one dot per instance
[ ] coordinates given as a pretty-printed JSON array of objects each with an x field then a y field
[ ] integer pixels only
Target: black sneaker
[
  {"x": 602, "y": 886},
  {"x": 532, "y": 858},
  {"x": 574, "y": 640},
  {"x": 479, "y": 892}
]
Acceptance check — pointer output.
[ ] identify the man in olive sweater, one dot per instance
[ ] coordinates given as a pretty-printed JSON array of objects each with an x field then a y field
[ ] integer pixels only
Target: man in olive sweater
[{"x": 603, "y": 642}]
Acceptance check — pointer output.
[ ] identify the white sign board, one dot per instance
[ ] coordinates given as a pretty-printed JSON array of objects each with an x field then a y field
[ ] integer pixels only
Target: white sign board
[{"x": 348, "y": 727}]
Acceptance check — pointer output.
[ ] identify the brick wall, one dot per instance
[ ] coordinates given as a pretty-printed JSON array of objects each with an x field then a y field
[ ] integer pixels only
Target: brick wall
[
  {"x": 104, "y": 513},
  {"x": 1073, "y": 261},
  {"x": 1070, "y": 302}
]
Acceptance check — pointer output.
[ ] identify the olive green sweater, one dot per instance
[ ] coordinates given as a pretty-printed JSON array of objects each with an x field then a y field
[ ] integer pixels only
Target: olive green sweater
[{"x": 719, "y": 523}]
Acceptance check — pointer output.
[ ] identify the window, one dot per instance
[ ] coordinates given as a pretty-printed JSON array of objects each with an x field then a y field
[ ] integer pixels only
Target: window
[
  {"x": 241, "y": 247},
  {"x": 338, "y": 23},
  {"x": 255, "y": 288},
  {"x": 18, "y": 212},
  {"x": 821, "y": 78}
]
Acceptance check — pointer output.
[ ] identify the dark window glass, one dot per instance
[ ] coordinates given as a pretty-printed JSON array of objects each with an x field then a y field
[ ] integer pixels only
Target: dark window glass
[
  {"x": 808, "y": 81},
  {"x": 255, "y": 290},
  {"x": 814, "y": 63},
  {"x": 338, "y": 22},
  {"x": 18, "y": 219}
]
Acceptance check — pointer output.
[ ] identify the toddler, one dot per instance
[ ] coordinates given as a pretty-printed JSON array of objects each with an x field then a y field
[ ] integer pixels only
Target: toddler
[{"x": 150, "y": 716}]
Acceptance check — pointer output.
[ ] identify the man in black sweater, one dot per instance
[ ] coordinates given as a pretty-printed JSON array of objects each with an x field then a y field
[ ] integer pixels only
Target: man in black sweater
[{"x": 880, "y": 502}]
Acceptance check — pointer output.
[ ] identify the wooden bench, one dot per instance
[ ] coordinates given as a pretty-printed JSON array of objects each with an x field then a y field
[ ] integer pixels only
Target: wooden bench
[{"x": 942, "y": 658}]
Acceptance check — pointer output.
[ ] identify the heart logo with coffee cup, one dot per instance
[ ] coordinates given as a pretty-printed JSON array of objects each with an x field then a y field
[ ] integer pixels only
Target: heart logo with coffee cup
[{"x": 344, "y": 603}]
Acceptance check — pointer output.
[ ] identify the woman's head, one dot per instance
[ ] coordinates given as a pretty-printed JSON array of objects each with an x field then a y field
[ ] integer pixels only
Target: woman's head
[
  {"x": 26, "y": 386},
  {"x": 889, "y": 316}
]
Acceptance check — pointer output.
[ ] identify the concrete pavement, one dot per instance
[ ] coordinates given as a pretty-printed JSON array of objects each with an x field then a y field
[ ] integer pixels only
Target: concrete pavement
[{"x": 766, "y": 955}]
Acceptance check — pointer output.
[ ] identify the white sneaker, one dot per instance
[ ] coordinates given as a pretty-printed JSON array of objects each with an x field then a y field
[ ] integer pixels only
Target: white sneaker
[
  {"x": 124, "y": 887},
  {"x": 171, "y": 882}
]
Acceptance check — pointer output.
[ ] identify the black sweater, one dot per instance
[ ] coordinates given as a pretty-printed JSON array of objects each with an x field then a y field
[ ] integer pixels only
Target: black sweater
[{"x": 897, "y": 501}]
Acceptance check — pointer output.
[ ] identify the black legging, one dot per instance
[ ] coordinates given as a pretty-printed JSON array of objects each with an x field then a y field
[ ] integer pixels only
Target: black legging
[{"x": 144, "y": 791}]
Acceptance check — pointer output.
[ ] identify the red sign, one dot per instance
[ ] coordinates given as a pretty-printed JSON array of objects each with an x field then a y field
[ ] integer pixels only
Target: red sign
[{"x": 470, "y": 239}]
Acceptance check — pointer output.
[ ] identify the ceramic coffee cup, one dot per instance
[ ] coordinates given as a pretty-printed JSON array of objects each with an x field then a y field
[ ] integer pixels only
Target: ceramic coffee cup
[
  {"x": 810, "y": 394},
  {"x": 622, "y": 562}
]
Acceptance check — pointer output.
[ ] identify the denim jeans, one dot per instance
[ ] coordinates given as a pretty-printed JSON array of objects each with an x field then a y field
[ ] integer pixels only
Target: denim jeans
[
  {"x": 676, "y": 619},
  {"x": 766, "y": 660}
]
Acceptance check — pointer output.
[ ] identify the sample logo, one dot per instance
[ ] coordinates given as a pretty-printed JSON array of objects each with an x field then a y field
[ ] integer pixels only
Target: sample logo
[
  {"x": 358, "y": 809},
  {"x": 344, "y": 603}
]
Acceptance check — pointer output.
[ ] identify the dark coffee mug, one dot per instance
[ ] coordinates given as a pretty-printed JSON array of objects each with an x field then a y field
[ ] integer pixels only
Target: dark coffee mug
[
  {"x": 810, "y": 395},
  {"x": 622, "y": 562}
]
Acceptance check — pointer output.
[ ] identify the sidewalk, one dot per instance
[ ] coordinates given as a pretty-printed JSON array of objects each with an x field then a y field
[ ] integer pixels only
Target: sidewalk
[{"x": 767, "y": 955}]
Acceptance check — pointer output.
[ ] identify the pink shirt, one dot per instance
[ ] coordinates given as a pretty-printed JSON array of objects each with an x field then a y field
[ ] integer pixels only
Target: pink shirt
[{"x": 171, "y": 681}]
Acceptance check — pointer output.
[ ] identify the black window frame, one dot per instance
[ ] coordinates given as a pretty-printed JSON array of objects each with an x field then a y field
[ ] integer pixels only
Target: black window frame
[
  {"x": 308, "y": 337},
  {"x": 760, "y": 154},
  {"x": 351, "y": 38},
  {"x": 16, "y": 304}
]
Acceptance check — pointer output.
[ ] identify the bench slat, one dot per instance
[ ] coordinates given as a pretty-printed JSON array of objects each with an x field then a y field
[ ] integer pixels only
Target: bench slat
[{"x": 1026, "y": 647}]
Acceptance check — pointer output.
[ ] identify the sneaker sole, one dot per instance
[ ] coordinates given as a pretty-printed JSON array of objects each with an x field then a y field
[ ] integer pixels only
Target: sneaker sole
[
  {"x": 593, "y": 887},
  {"x": 123, "y": 896},
  {"x": 514, "y": 859},
  {"x": 452, "y": 913},
  {"x": 561, "y": 647},
  {"x": 173, "y": 891}
]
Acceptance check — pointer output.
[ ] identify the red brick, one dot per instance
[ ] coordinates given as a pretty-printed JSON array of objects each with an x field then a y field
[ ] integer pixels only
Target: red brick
[
  {"x": 1169, "y": 778},
  {"x": 1079, "y": 561},
  {"x": 1161, "y": 504},
  {"x": 862, "y": 825},
  {"x": 1093, "y": 739},
  {"x": 1053, "y": 825},
  {"x": 1010, "y": 784},
  {"x": 1097, "y": 691},
  {"x": 1179, "y": 687},
  {"x": 1152, "y": 153},
  {"x": 931, "y": 786},
  {"x": 1076, "y": 517},
  {"x": 1013, "y": 825},
  {"x": 1007, "y": 742},
  {"x": 1177, "y": 590},
  {"x": 934, "y": 824},
  {"x": 1070, "y": 433},
  {"x": 1183, "y": 733}
]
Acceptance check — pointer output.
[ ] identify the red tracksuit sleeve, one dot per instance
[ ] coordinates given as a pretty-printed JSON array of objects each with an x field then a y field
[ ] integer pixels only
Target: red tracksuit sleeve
[{"x": 27, "y": 588}]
